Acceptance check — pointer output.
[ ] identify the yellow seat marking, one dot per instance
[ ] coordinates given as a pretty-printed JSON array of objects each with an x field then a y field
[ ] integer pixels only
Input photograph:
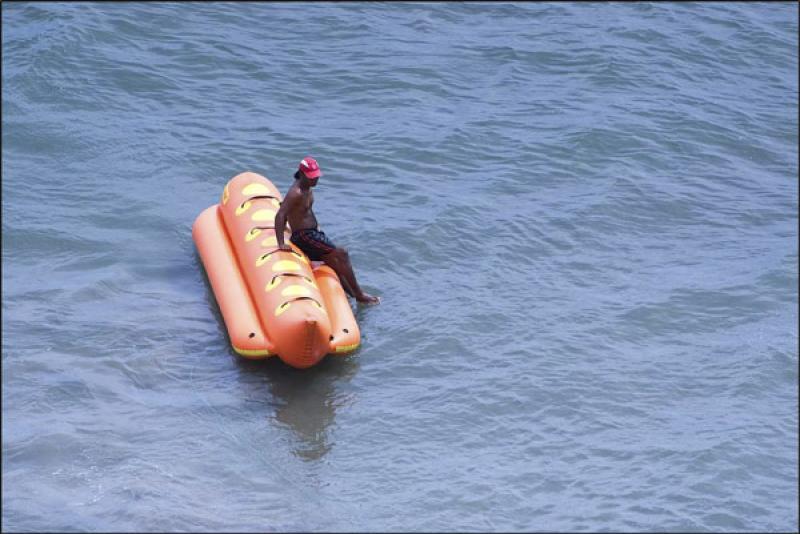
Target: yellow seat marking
[
  {"x": 243, "y": 208},
  {"x": 298, "y": 253},
  {"x": 252, "y": 352},
  {"x": 286, "y": 265},
  {"x": 262, "y": 260},
  {"x": 278, "y": 278},
  {"x": 266, "y": 256},
  {"x": 263, "y": 215},
  {"x": 256, "y": 189},
  {"x": 347, "y": 348},
  {"x": 285, "y": 306},
  {"x": 226, "y": 194},
  {"x": 270, "y": 242},
  {"x": 272, "y": 284},
  {"x": 296, "y": 291},
  {"x": 252, "y": 234}
]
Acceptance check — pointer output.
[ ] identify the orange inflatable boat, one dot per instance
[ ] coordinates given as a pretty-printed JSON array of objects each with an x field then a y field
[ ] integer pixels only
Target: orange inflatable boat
[{"x": 274, "y": 302}]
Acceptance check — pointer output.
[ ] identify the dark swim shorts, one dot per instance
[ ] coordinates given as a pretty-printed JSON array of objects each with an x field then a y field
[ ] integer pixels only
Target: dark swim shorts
[{"x": 313, "y": 242}]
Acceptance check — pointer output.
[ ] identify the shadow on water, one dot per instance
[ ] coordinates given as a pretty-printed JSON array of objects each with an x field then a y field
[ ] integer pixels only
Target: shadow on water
[{"x": 304, "y": 400}]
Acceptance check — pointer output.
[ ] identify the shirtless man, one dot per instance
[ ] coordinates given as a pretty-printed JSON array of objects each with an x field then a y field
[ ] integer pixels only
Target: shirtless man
[{"x": 296, "y": 208}]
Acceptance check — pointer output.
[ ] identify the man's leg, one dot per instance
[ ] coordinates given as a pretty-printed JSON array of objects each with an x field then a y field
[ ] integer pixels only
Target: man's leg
[
  {"x": 343, "y": 280},
  {"x": 339, "y": 260},
  {"x": 346, "y": 287}
]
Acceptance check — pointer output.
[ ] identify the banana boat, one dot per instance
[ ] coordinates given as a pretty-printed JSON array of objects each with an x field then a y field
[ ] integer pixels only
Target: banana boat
[{"x": 274, "y": 302}]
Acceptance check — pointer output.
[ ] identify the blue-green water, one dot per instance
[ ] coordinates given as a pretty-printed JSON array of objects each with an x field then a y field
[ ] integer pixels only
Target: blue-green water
[{"x": 582, "y": 219}]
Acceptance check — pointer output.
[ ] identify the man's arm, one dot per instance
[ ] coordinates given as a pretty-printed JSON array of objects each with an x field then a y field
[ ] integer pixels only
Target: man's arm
[{"x": 280, "y": 218}]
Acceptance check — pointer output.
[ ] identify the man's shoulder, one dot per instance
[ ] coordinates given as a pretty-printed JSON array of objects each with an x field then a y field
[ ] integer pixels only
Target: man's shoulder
[{"x": 293, "y": 193}]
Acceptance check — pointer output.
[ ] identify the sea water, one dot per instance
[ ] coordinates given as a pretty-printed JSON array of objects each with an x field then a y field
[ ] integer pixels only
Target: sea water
[{"x": 582, "y": 219}]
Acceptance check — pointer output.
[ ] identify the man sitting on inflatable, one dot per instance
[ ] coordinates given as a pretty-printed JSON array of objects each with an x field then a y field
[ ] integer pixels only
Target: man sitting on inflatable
[{"x": 296, "y": 208}]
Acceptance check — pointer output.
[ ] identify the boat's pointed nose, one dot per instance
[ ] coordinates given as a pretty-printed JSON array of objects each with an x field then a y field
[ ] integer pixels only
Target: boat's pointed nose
[{"x": 307, "y": 342}]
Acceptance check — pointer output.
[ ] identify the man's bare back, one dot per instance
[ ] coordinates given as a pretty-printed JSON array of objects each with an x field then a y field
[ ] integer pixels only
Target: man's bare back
[{"x": 296, "y": 208}]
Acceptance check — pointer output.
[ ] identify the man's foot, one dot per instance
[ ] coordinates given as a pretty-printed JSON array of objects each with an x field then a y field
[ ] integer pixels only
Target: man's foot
[{"x": 365, "y": 298}]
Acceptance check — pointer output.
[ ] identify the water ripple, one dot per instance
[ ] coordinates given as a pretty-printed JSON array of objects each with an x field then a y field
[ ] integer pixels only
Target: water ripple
[{"x": 582, "y": 219}]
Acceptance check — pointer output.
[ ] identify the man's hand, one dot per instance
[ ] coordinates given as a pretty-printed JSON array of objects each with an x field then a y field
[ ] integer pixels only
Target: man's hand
[{"x": 285, "y": 246}]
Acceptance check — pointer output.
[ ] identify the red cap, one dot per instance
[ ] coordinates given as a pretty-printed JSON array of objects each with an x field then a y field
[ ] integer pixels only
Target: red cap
[{"x": 309, "y": 167}]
